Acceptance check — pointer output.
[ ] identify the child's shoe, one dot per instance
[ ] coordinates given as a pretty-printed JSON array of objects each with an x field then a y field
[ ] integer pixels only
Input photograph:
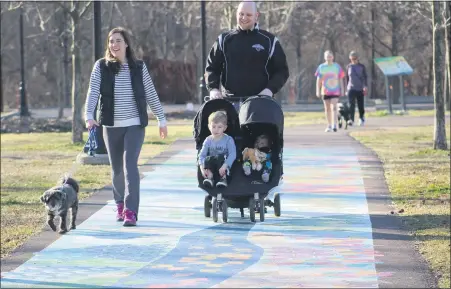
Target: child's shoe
[
  {"x": 208, "y": 183},
  {"x": 247, "y": 169},
  {"x": 222, "y": 182},
  {"x": 265, "y": 176}
]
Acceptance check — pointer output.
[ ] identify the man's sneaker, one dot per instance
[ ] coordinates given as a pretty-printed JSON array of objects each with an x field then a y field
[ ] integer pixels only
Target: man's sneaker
[
  {"x": 129, "y": 218},
  {"x": 328, "y": 129},
  {"x": 350, "y": 122},
  {"x": 265, "y": 177},
  {"x": 222, "y": 182},
  {"x": 247, "y": 169},
  {"x": 334, "y": 128},
  {"x": 208, "y": 183},
  {"x": 362, "y": 122},
  {"x": 120, "y": 212}
]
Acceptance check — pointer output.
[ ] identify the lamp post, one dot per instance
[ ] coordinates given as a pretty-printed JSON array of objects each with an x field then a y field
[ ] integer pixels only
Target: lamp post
[
  {"x": 97, "y": 55},
  {"x": 23, "y": 101},
  {"x": 204, "y": 49}
]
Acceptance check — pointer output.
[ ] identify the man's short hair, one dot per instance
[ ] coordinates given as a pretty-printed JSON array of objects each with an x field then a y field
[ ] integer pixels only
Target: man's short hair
[{"x": 219, "y": 116}]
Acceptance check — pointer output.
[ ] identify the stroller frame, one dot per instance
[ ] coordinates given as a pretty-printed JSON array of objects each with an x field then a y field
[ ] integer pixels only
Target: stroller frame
[{"x": 219, "y": 200}]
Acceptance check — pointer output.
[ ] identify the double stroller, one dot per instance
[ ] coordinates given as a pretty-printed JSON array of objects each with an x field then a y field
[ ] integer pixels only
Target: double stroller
[{"x": 257, "y": 115}]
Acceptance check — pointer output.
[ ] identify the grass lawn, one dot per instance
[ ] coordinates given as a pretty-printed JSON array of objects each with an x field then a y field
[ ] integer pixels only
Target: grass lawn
[
  {"x": 304, "y": 118},
  {"x": 32, "y": 163},
  {"x": 419, "y": 181}
]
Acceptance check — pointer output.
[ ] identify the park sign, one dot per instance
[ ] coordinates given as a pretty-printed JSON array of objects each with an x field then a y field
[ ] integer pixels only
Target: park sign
[{"x": 394, "y": 65}]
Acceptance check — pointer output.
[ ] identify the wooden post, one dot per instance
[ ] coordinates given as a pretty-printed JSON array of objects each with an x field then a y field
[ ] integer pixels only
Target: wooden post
[{"x": 388, "y": 96}]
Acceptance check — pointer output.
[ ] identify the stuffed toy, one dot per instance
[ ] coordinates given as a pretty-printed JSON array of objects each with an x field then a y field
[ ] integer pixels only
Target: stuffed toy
[{"x": 255, "y": 156}]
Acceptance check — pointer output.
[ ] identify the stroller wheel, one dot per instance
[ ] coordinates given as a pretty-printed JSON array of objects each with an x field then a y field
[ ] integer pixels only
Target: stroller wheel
[
  {"x": 224, "y": 211},
  {"x": 252, "y": 209},
  {"x": 214, "y": 209},
  {"x": 277, "y": 204},
  {"x": 207, "y": 207},
  {"x": 262, "y": 209}
]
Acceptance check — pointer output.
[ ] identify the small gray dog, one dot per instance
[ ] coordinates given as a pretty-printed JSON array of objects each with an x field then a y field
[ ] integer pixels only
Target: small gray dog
[{"x": 58, "y": 200}]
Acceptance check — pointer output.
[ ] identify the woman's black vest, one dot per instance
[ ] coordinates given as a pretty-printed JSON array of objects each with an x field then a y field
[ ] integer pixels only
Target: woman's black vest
[{"x": 106, "y": 110}]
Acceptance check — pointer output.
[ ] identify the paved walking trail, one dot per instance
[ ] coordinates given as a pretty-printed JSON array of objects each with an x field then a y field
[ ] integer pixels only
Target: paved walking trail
[{"x": 335, "y": 231}]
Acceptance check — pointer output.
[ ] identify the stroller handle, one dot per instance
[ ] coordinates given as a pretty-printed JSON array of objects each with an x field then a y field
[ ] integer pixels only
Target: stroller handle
[{"x": 232, "y": 97}]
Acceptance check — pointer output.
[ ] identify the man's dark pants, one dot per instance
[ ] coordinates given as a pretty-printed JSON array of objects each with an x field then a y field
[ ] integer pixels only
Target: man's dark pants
[{"x": 358, "y": 95}]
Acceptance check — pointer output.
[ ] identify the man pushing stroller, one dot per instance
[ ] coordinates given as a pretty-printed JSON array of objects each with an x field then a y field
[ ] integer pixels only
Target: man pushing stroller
[{"x": 246, "y": 61}]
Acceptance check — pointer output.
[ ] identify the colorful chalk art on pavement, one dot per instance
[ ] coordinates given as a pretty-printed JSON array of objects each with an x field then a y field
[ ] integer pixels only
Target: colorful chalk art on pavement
[{"x": 323, "y": 238}]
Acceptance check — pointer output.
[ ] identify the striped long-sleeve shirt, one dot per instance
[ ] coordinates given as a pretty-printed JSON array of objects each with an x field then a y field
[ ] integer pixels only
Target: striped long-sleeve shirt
[{"x": 125, "y": 107}]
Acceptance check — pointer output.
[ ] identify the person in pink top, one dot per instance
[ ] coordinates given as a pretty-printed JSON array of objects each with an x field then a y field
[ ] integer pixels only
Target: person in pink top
[{"x": 330, "y": 86}]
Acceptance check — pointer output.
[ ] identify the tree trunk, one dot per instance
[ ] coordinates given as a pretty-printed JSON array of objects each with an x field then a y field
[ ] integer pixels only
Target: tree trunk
[
  {"x": 430, "y": 76},
  {"x": 229, "y": 16},
  {"x": 300, "y": 95},
  {"x": 319, "y": 61},
  {"x": 439, "y": 123},
  {"x": 373, "y": 92},
  {"x": 110, "y": 21},
  {"x": 66, "y": 61},
  {"x": 61, "y": 78},
  {"x": 61, "y": 90},
  {"x": 394, "y": 17},
  {"x": 1, "y": 79},
  {"x": 179, "y": 39},
  {"x": 1, "y": 86},
  {"x": 332, "y": 43},
  {"x": 447, "y": 9},
  {"x": 77, "y": 121}
]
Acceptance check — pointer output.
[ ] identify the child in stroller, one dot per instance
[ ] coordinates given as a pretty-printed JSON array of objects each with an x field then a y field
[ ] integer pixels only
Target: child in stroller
[
  {"x": 262, "y": 144},
  {"x": 257, "y": 116},
  {"x": 218, "y": 151}
]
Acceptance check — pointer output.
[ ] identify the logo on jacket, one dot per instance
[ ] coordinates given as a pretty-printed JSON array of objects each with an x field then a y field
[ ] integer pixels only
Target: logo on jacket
[{"x": 258, "y": 47}]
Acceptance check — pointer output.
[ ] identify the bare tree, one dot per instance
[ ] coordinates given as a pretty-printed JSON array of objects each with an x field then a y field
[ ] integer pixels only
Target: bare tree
[
  {"x": 438, "y": 31},
  {"x": 170, "y": 31},
  {"x": 76, "y": 12},
  {"x": 447, "y": 12}
]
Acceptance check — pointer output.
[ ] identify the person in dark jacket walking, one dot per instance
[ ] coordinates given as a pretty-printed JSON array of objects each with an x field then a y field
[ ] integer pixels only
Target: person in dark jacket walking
[
  {"x": 246, "y": 61},
  {"x": 357, "y": 86}
]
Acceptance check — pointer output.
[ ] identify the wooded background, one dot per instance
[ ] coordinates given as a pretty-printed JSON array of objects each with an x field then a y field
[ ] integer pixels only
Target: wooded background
[{"x": 167, "y": 35}]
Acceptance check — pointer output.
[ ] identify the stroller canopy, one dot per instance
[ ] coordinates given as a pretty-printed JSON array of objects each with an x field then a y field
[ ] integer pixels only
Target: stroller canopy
[
  {"x": 201, "y": 130},
  {"x": 262, "y": 110}
]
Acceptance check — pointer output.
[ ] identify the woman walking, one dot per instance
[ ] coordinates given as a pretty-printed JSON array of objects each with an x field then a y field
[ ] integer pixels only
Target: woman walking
[
  {"x": 357, "y": 86},
  {"x": 125, "y": 89},
  {"x": 329, "y": 87}
]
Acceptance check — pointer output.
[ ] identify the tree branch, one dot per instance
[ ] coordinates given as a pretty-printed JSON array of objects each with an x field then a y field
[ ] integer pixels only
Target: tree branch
[
  {"x": 382, "y": 43},
  {"x": 41, "y": 20},
  {"x": 62, "y": 6},
  {"x": 83, "y": 11},
  {"x": 10, "y": 8}
]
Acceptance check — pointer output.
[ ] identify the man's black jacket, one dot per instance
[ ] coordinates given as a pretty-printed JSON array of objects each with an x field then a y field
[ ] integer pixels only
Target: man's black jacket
[{"x": 246, "y": 62}]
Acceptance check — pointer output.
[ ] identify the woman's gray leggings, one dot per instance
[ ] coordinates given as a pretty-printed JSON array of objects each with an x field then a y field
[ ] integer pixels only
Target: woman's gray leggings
[{"x": 124, "y": 146}]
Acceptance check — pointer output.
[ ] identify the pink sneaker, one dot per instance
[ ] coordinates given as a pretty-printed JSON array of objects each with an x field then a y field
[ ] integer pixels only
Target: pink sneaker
[
  {"x": 129, "y": 218},
  {"x": 120, "y": 212}
]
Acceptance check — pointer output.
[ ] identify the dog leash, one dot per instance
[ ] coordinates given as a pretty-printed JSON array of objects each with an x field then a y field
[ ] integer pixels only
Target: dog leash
[{"x": 92, "y": 141}]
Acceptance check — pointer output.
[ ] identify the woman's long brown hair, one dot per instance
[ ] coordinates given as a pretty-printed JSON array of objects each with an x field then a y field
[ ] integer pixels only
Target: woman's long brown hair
[{"x": 129, "y": 51}]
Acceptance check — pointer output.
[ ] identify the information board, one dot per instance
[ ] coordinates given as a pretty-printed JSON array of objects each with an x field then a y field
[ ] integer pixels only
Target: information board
[{"x": 394, "y": 65}]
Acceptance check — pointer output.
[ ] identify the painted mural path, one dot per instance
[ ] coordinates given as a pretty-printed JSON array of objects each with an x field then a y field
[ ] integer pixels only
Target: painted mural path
[{"x": 323, "y": 238}]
